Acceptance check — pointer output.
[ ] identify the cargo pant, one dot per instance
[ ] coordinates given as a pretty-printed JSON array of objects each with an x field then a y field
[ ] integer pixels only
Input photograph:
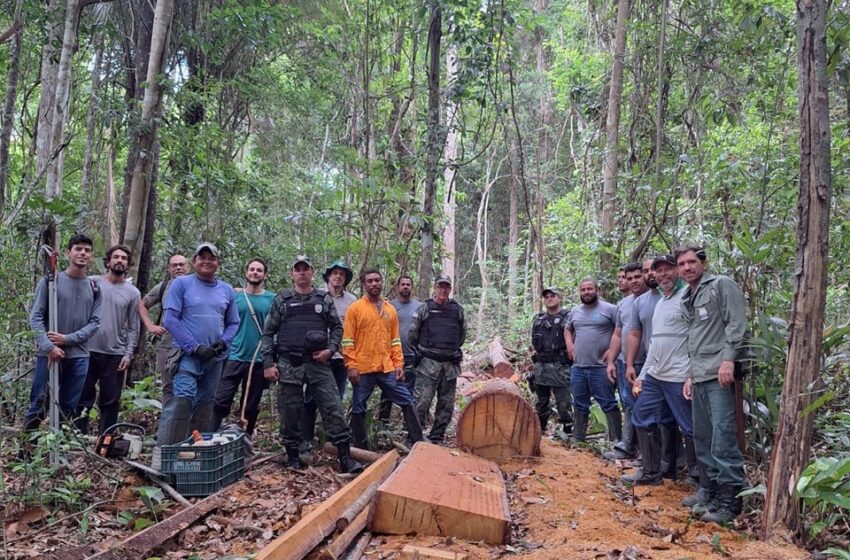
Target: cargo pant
[
  {"x": 715, "y": 433},
  {"x": 552, "y": 380},
  {"x": 319, "y": 381},
  {"x": 440, "y": 379}
]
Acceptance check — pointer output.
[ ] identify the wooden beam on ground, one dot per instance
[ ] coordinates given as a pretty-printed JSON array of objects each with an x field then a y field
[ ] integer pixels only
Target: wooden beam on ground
[
  {"x": 340, "y": 544},
  {"x": 313, "y": 528},
  {"x": 498, "y": 423},
  {"x": 355, "y": 508},
  {"x": 417, "y": 552},
  {"x": 360, "y": 546},
  {"x": 498, "y": 359},
  {"x": 362, "y": 455},
  {"x": 440, "y": 492},
  {"x": 140, "y": 544}
]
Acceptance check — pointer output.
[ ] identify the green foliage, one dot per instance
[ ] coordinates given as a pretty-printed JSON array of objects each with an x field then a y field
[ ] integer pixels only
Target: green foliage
[{"x": 824, "y": 487}]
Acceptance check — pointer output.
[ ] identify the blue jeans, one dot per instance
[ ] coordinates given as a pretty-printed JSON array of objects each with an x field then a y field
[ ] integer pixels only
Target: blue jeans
[
  {"x": 397, "y": 391},
  {"x": 201, "y": 387},
  {"x": 661, "y": 402},
  {"x": 72, "y": 377},
  {"x": 623, "y": 387},
  {"x": 593, "y": 382}
]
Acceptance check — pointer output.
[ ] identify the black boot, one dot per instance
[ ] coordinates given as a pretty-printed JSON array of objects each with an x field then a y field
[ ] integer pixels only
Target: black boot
[
  {"x": 691, "y": 461},
  {"x": 411, "y": 424},
  {"x": 649, "y": 441},
  {"x": 358, "y": 431},
  {"x": 293, "y": 461},
  {"x": 671, "y": 441},
  {"x": 580, "y": 419},
  {"x": 625, "y": 448},
  {"x": 203, "y": 418},
  {"x": 385, "y": 408},
  {"x": 729, "y": 505},
  {"x": 346, "y": 463},
  {"x": 615, "y": 425},
  {"x": 308, "y": 422}
]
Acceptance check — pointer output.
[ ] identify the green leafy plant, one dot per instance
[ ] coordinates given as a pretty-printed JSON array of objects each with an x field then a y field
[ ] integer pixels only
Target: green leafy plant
[{"x": 824, "y": 488}]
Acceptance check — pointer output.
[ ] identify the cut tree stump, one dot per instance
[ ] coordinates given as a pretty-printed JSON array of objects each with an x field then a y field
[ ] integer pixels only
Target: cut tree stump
[
  {"x": 498, "y": 359},
  {"x": 440, "y": 492},
  {"x": 498, "y": 423}
]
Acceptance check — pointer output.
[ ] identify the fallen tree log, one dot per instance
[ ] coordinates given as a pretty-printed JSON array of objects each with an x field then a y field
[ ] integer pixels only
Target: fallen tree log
[
  {"x": 361, "y": 503},
  {"x": 498, "y": 359},
  {"x": 340, "y": 544},
  {"x": 498, "y": 423},
  {"x": 317, "y": 525},
  {"x": 362, "y": 455},
  {"x": 440, "y": 492}
]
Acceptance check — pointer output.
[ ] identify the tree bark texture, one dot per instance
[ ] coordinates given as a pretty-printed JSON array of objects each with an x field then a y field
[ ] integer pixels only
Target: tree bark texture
[
  {"x": 449, "y": 203},
  {"x": 88, "y": 155},
  {"x": 612, "y": 136},
  {"x": 140, "y": 185},
  {"x": 49, "y": 67},
  {"x": 9, "y": 108},
  {"x": 805, "y": 330},
  {"x": 433, "y": 148}
]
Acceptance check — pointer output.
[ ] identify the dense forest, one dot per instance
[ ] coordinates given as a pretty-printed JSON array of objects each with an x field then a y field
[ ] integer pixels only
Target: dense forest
[{"x": 512, "y": 144}]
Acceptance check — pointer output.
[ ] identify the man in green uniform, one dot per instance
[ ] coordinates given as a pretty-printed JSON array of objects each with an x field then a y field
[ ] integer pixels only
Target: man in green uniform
[
  {"x": 551, "y": 372},
  {"x": 308, "y": 332},
  {"x": 437, "y": 333}
]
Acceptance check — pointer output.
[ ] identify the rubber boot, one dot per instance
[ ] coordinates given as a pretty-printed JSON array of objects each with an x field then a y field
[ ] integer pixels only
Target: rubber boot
[
  {"x": 411, "y": 424},
  {"x": 358, "y": 431},
  {"x": 625, "y": 448},
  {"x": 671, "y": 442},
  {"x": 615, "y": 425},
  {"x": 385, "y": 408},
  {"x": 346, "y": 463},
  {"x": 691, "y": 461},
  {"x": 706, "y": 493},
  {"x": 729, "y": 505},
  {"x": 81, "y": 422},
  {"x": 580, "y": 419},
  {"x": 203, "y": 418},
  {"x": 649, "y": 442},
  {"x": 308, "y": 422},
  {"x": 218, "y": 418},
  {"x": 293, "y": 461}
]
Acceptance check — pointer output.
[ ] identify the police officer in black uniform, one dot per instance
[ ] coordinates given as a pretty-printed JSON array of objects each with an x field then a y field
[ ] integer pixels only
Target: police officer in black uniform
[
  {"x": 551, "y": 373},
  {"x": 437, "y": 333},
  {"x": 308, "y": 333}
]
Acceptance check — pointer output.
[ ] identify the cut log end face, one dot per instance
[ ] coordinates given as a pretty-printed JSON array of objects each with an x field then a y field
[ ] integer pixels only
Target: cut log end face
[{"x": 498, "y": 423}]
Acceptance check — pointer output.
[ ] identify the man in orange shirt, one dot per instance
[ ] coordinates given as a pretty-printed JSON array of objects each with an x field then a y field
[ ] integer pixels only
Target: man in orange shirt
[{"x": 371, "y": 347}]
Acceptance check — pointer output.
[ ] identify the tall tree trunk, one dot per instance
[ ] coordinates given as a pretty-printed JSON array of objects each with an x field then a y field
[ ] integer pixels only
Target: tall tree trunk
[
  {"x": 434, "y": 147},
  {"x": 544, "y": 145},
  {"x": 9, "y": 104},
  {"x": 449, "y": 202},
  {"x": 140, "y": 186},
  {"x": 110, "y": 229},
  {"x": 805, "y": 330},
  {"x": 612, "y": 139},
  {"x": 46, "y": 102},
  {"x": 513, "y": 235},
  {"x": 62, "y": 101},
  {"x": 88, "y": 155}
]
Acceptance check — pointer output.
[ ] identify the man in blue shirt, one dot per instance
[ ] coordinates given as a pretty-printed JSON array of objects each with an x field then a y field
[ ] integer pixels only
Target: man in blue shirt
[{"x": 201, "y": 314}]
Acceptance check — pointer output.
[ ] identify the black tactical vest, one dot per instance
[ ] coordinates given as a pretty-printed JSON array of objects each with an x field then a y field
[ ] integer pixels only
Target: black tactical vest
[
  {"x": 547, "y": 334},
  {"x": 441, "y": 330},
  {"x": 302, "y": 316}
]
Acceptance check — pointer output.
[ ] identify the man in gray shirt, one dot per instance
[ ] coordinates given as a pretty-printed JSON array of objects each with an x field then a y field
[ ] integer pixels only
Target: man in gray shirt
[
  {"x": 588, "y": 336},
  {"x": 77, "y": 319},
  {"x": 405, "y": 305},
  {"x": 113, "y": 345}
]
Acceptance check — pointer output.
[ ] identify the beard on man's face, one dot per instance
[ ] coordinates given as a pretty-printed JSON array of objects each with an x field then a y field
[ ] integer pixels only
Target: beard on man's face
[{"x": 589, "y": 299}]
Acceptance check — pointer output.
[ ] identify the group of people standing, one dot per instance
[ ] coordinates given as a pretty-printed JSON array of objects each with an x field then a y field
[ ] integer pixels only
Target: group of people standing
[
  {"x": 215, "y": 340},
  {"x": 672, "y": 350}
]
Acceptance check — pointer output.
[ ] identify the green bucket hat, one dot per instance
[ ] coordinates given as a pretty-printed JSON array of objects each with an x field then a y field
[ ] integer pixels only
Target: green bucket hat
[{"x": 349, "y": 274}]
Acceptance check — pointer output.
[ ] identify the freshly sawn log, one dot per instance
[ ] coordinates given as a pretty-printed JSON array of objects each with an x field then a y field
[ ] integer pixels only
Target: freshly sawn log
[
  {"x": 498, "y": 423},
  {"x": 502, "y": 368},
  {"x": 314, "y": 527}
]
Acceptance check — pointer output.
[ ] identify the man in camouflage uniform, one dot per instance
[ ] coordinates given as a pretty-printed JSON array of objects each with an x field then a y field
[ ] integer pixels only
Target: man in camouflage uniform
[
  {"x": 437, "y": 333},
  {"x": 308, "y": 333},
  {"x": 551, "y": 373}
]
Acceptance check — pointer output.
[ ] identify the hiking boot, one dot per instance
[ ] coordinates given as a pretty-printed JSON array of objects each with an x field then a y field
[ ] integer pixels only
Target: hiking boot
[
  {"x": 346, "y": 463},
  {"x": 649, "y": 442},
  {"x": 729, "y": 505},
  {"x": 701, "y": 497},
  {"x": 293, "y": 461}
]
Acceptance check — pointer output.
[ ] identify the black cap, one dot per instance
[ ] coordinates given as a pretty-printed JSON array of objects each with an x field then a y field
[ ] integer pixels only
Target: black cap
[
  {"x": 663, "y": 259},
  {"x": 443, "y": 279}
]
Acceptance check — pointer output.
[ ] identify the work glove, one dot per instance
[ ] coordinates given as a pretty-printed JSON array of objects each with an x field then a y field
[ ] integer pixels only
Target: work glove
[
  {"x": 219, "y": 347},
  {"x": 204, "y": 352}
]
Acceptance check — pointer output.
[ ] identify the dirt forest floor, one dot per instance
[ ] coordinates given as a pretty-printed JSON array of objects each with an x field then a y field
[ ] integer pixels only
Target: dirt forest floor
[{"x": 566, "y": 504}]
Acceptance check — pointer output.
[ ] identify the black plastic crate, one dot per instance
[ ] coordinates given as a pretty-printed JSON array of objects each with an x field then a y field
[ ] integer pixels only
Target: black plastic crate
[{"x": 204, "y": 470}]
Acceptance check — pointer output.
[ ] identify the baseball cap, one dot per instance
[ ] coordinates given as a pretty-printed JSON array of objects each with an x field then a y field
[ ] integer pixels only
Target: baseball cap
[
  {"x": 663, "y": 259},
  {"x": 209, "y": 247},
  {"x": 552, "y": 289},
  {"x": 442, "y": 279},
  {"x": 302, "y": 259}
]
